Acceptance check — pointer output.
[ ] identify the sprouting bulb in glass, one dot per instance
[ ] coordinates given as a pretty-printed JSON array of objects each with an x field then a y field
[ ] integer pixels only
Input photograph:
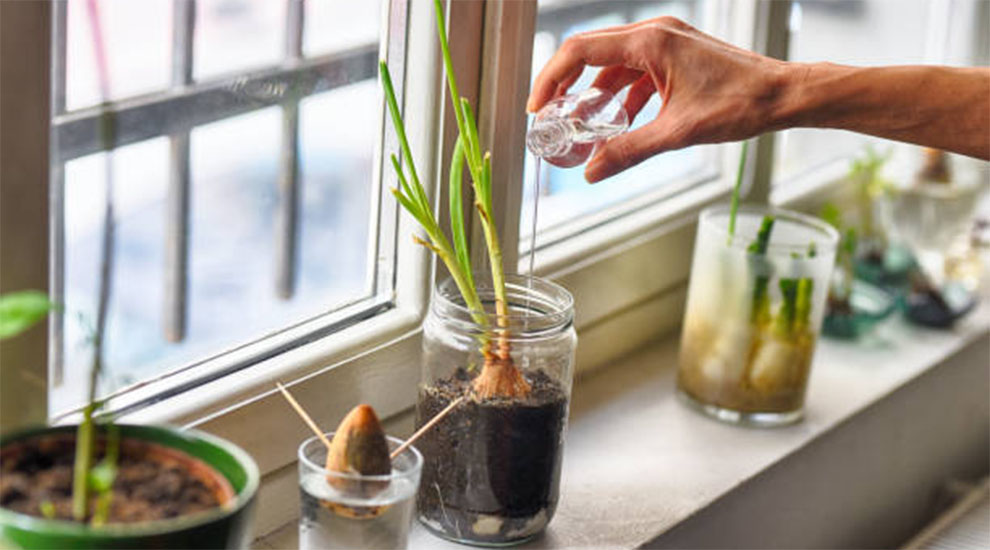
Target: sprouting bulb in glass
[{"x": 565, "y": 131}]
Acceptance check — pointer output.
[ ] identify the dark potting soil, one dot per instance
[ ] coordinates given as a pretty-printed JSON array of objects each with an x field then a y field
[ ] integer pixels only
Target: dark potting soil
[
  {"x": 492, "y": 467},
  {"x": 152, "y": 482}
]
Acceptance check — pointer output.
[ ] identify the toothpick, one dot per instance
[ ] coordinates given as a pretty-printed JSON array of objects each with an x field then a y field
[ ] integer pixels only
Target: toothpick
[
  {"x": 302, "y": 413},
  {"x": 426, "y": 427}
]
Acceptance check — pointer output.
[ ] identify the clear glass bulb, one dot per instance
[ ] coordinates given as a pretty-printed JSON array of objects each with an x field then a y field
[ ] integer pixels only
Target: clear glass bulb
[{"x": 566, "y": 130}]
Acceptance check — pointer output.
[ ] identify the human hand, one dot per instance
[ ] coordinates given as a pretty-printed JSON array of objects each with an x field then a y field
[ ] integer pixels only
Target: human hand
[{"x": 712, "y": 91}]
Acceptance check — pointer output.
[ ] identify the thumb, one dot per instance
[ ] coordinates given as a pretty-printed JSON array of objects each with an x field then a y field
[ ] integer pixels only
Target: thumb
[{"x": 629, "y": 149}]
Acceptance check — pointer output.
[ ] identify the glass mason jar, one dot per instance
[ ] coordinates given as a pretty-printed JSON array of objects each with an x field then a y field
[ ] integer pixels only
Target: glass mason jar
[
  {"x": 754, "y": 310},
  {"x": 492, "y": 467}
]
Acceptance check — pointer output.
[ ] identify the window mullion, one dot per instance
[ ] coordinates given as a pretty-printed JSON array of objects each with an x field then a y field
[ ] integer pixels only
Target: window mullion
[
  {"x": 505, "y": 70},
  {"x": 56, "y": 279},
  {"x": 772, "y": 38},
  {"x": 25, "y": 77}
]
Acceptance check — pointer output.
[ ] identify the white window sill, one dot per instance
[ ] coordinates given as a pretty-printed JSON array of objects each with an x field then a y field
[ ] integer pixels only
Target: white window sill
[{"x": 640, "y": 468}]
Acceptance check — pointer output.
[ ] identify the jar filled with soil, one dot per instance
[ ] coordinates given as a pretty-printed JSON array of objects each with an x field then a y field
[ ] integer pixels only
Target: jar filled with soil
[
  {"x": 755, "y": 305},
  {"x": 491, "y": 470}
]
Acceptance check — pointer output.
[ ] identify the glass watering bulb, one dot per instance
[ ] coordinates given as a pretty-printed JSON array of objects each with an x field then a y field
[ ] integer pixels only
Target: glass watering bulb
[{"x": 566, "y": 130}]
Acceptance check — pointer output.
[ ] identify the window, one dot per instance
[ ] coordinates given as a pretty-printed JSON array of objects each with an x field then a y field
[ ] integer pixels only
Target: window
[
  {"x": 245, "y": 175},
  {"x": 869, "y": 33},
  {"x": 568, "y": 204}
]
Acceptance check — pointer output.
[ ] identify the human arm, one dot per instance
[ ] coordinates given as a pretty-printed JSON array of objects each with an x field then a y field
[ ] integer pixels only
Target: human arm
[
  {"x": 941, "y": 107},
  {"x": 715, "y": 92}
]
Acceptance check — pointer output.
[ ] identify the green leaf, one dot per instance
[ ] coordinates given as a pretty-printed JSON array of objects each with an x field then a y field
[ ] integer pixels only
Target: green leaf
[
  {"x": 400, "y": 128},
  {"x": 101, "y": 477},
  {"x": 759, "y": 246},
  {"x": 457, "y": 227},
  {"x": 19, "y": 311}
]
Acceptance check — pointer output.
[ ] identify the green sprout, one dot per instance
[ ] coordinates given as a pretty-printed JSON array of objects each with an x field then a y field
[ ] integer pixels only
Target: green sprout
[
  {"x": 102, "y": 476},
  {"x": 847, "y": 247},
  {"x": 47, "y": 509},
  {"x": 757, "y": 251},
  {"x": 865, "y": 174},
  {"x": 499, "y": 376},
  {"x": 85, "y": 433}
]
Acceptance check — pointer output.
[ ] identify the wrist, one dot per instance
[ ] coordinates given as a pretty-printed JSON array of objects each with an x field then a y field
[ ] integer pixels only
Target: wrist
[{"x": 806, "y": 91}]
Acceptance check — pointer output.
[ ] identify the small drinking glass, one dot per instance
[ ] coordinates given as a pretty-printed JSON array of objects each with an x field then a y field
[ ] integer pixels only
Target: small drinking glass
[
  {"x": 754, "y": 310},
  {"x": 345, "y": 510}
]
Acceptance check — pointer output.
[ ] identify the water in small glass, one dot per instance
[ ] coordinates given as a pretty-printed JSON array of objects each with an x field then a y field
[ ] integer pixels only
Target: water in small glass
[{"x": 340, "y": 517}]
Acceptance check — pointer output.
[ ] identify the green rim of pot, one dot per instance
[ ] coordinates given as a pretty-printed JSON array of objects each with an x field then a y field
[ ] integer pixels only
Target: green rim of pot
[{"x": 224, "y": 457}]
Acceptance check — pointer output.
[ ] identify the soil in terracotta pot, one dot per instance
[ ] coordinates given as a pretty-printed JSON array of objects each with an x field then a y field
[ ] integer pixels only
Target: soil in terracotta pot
[
  {"x": 492, "y": 468},
  {"x": 153, "y": 482}
]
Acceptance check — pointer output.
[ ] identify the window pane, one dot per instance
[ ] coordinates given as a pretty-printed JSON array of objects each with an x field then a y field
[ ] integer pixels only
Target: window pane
[
  {"x": 335, "y": 25},
  {"x": 564, "y": 194},
  {"x": 337, "y": 191},
  {"x": 136, "y": 37},
  {"x": 868, "y": 33},
  {"x": 134, "y": 336},
  {"x": 234, "y": 35}
]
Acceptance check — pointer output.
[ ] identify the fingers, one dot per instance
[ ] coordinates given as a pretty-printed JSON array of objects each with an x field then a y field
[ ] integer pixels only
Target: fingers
[
  {"x": 596, "y": 49},
  {"x": 639, "y": 94},
  {"x": 615, "y": 78},
  {"x": 568, "y": 81},
  {"x": 629, "y": 149}
]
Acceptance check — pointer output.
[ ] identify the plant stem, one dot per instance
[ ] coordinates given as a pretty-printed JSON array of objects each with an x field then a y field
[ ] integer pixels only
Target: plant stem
[
  {"x": 84, "y": 434},
  {"x": 83, "y": 462},
  {"x": 757, "y": 250},
  {"x": 105, "y": 492},
  {"x": 734, "y": 207}
]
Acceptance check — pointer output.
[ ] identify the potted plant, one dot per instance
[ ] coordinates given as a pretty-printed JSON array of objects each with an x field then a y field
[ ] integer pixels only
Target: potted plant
[
  {"x": 852, "y": 306},
  {"x": 503, "y": 342},
  {"x": 104, "y": 485}
]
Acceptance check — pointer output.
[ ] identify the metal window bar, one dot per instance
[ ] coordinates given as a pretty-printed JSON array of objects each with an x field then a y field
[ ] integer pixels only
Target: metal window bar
[
  {"x": 287, "y": 217},
  {"x": 177, "y": 202}
]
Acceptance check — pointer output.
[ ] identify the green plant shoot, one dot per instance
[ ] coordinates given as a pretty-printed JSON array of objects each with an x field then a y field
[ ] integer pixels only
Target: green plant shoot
[
  {"x": 499, "y": 377},
  {"x": 102, "y": 476},
  {"x": 734, "y": 206},
  {"x": 757, "y": 252}
]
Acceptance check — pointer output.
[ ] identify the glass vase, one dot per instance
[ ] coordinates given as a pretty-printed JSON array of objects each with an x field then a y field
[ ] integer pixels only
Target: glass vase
[
  {"x": 753, "y": 314},
  {"x": 492, "y": 466}
]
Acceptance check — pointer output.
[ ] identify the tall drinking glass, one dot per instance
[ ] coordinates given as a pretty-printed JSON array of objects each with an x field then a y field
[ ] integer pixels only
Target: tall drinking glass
[
  {"x": 754, "y": 310},
  {"x": 343, "y": 510}
]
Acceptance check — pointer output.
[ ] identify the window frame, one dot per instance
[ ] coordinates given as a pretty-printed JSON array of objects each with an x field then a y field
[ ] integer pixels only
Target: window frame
[{"x": 181, "y": 108}]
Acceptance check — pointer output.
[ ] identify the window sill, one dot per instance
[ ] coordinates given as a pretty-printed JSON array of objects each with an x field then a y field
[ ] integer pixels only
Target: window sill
[{"x": 642, "y": 469}]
